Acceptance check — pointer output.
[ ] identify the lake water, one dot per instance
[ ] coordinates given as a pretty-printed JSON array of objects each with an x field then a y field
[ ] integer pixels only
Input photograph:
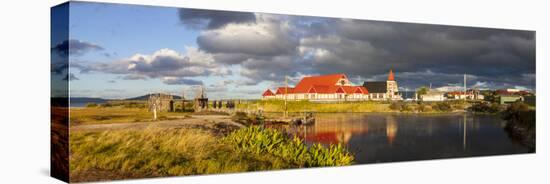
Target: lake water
[{"x": 385, "y": 137}]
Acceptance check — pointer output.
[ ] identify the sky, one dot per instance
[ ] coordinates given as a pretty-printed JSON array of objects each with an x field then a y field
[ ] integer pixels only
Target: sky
[{"x": 119, "y": 51}]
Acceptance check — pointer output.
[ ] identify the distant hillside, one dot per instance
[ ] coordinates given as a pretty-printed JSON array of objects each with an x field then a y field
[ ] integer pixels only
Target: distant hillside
[
  {"x": 82, "y": 101},
  {"x": 146, "y": 97},
  {"x": 87, "y": 100}
]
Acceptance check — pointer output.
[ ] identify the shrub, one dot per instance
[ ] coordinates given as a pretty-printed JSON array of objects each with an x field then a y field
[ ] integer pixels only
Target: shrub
[
  {"x": 269, "y": 141},
  {"x": 400, "y": 106},
  {"x": 396, "y": 106},
  {"x": 519, "y": 112},
  {"x": 91, "y": 105},
  {"x": 443, "y": 106},
  {"x": 485, "y": 107},
  {"x": 423, "y": 107}
]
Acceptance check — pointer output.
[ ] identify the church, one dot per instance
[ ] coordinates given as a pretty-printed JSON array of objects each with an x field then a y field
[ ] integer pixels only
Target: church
[
  {"x": 335, "y": 87},
  {"x": 384, "y": 90}
]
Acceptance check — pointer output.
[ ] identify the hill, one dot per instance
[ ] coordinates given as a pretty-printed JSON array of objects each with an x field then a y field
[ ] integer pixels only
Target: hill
[{"x": 146, "y": 97}]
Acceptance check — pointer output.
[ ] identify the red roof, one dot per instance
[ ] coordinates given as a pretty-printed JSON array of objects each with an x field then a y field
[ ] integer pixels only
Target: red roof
[
  {"x": 390, "y": 76},
  {"x": 281, "y": 90},
  {"x": 506, "y": 92},
  {"x": 322, "y": 80},
  {"x": 268, "y": 93},
  {"x": 355, "y": 89},
  {"x": 323, "y": 84}
]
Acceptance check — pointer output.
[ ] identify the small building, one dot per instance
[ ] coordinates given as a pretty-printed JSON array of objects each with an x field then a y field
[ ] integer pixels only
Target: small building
[
  {"x": 433, "y": 96},
  {"x": 461, "y": 95},
  {"x": 507, "y": 99},
  {"x": 160, "y": 102}
]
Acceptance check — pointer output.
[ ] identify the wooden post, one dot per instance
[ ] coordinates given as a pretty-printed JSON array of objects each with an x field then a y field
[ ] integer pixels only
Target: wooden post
[{"x": 154, "y": 111}]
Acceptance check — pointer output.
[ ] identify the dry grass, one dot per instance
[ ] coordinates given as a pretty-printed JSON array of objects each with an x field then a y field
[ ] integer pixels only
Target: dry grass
[
  {"x": 105, "y": 115},
  {"x": 159, "y": 152}
]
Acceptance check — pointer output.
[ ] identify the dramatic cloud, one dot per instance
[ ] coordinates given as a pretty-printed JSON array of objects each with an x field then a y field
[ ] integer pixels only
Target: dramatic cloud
[
  {"x": 170, "y": 66},
  {"x": 273, "y": 46},
  {"x": 75, "y": 47},
  {"x": 266, "y": 38},
  {"x": 211, "y": 19}
]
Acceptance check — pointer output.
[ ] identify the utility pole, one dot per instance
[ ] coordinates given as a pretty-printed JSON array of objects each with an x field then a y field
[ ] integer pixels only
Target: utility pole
[
  {"x": 465, "y": 86},
  {"x": 286, "y": 94},
  {"x": 183, "y": 100}
]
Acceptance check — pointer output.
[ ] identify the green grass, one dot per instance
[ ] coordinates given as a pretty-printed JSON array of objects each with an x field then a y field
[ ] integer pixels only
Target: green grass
[
  {"x": 301, "y": 106},
  {"x": 359, "y": 106}
]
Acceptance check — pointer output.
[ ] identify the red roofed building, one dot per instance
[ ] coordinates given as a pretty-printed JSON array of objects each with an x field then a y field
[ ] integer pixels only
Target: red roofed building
[
  {"x": 469, "y": 95},
  {"x": 333, "y": 87},
  {"x": 268, "y": 94}
]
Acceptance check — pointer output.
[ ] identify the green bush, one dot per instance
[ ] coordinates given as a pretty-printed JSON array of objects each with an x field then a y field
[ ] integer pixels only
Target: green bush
[{"x": 269, "y": 141}]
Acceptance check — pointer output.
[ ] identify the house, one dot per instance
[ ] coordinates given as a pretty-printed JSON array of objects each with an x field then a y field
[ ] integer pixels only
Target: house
[
  {"x": 506, "y": 96},
  {"x": 507, "y": 99},
  {"x": 512, "y": 92},
  {"x": 383, "y": 90},
  {"x": 333, "y": 87},
  {"x": 433, "y": 96},
  {"x": 468, "y": 95}
]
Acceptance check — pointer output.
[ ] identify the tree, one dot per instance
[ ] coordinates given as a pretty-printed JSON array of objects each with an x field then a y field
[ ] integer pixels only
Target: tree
[{"x": 421, "y": 91}]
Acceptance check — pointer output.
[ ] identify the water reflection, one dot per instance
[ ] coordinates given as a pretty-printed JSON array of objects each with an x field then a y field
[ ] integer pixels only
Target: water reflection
[
  {"x": 391, "y": 129},
  {"x": 374, "y": 137}
]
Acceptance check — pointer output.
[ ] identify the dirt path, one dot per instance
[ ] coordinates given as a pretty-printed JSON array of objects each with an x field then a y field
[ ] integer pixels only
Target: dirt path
[{"x": 216, "y": 123}]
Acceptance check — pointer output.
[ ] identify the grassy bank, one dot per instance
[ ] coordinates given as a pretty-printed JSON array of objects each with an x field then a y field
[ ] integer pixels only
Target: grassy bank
[
  {"x": 301, "y": 106},
  {"x": 174, "y": 152},
  {"x": 362, "y": 106}
]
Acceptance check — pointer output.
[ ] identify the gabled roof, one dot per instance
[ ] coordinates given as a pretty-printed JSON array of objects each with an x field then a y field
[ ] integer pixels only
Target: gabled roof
[
  {"x": 268, "y": 93},
  {"x": 281, "y": 90},
  {"x": 355, "y": 90},
  {"x": 322, "y": 80},
  {"x": 323, "y": 84},
  {"x": 376, "y": 87}
]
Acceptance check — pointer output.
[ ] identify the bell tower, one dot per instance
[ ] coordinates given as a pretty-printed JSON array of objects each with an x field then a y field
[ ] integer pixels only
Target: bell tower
[{"x": 392, "y": 89}]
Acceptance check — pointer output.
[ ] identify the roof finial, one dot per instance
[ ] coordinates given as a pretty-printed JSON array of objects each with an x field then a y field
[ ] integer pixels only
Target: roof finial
[{"x": 390, "y": 76}]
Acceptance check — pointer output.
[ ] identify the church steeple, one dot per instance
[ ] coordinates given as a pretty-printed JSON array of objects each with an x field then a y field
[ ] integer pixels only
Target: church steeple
[{"x": 390, "y": 76}]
